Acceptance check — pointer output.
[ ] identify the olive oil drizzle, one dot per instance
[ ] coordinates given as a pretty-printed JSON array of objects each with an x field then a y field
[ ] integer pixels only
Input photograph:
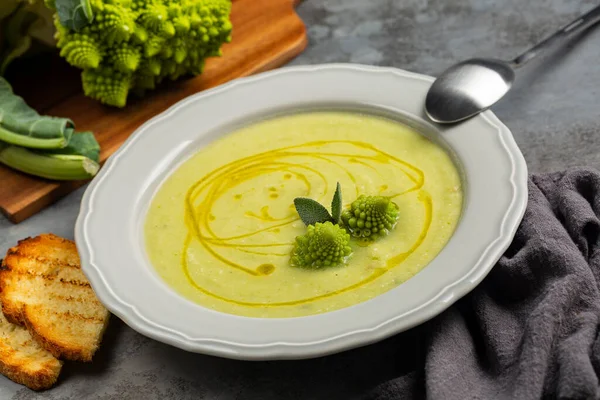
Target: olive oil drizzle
[{"x": 202, "y": 196}]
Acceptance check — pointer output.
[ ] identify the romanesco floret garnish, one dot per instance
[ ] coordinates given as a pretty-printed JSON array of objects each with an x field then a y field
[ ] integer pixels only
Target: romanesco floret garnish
[
  {"x": 370, "y": 217},
  {"x": 323, "y": 245},
  {"x": 136, "y": 44}
]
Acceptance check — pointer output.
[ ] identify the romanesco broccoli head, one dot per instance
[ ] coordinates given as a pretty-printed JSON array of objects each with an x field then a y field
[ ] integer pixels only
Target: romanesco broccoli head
[
  {"x": 370, "y": 217},
  {"x": 136, "y": 44},
  {"x": 323, "y": 245}
]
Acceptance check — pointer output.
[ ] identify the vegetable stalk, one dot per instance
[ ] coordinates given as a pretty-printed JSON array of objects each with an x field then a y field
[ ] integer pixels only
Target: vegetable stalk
[
  {"x": 50, "y": 166},
  {"x": 34, "y": 142}
]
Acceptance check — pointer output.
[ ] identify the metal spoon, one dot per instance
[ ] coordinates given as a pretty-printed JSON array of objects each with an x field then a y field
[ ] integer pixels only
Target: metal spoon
[{"x": 472, "y": 86}]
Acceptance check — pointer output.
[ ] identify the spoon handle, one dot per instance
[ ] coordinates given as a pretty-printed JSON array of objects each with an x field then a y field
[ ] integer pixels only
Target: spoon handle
[{"x": 580, "y": 24}]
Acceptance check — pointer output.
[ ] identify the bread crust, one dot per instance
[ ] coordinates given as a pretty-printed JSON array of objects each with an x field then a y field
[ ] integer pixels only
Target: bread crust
[
  {"x": 23, "y": 360},
  {"x": 43, "y": 288},
  {"x": 40, "y": 379}
]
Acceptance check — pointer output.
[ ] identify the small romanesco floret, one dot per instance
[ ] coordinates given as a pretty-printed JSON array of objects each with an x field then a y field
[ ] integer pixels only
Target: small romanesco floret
[
  {"x": 136, "y": 44},
  {"x": 323, "y": 245},
  {"x": 370, "y": 217}
]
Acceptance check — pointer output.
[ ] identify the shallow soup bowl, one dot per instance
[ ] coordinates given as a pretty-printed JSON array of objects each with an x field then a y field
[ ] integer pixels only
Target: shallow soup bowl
[{"x": 110, "y": 227}]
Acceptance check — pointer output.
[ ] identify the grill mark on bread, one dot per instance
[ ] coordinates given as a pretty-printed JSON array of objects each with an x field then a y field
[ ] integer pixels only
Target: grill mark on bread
[
  {"x": 52, "y": 277},
  {"x": 69, "y": 314},
  {"x": 42, "y": 259},
  {"x": 76, "y": 283},
  {"x": 71, "y": 298}
]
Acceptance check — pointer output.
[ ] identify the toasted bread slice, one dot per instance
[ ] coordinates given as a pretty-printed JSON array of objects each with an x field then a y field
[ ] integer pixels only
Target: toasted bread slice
[
  {"x": 24, "y": 360},
  {"x": 44, "y": 289}
]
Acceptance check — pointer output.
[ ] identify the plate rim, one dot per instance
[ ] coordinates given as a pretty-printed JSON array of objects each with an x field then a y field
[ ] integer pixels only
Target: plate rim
[{"x": 283, "y": 350}]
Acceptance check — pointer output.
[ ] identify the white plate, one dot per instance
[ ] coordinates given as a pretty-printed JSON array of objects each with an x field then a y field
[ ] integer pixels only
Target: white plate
[{"x": 109, "y": 227}]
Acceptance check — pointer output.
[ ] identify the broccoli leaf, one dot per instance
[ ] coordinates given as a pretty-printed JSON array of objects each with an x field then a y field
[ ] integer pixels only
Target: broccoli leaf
[
  {"x": 15, "y": 38},
  {"x": 74, "y": 14},
  {"x": 18, "y": 119},
  {"x": 81, "y": 144},
  {"x": 23, "y": 23},
  {"x": 7, "y": 7}
]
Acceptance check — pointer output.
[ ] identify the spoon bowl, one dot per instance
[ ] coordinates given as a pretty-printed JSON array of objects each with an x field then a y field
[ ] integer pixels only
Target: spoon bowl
[{"x": 468, "y": 88}]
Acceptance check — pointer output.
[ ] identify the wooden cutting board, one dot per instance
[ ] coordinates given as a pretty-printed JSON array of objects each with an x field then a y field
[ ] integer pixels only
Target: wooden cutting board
[{"x": 266, "y": 34}]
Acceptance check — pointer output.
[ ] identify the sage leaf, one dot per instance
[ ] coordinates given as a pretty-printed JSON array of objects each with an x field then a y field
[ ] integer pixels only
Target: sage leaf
[
  {"x": 311, "y": 211},
  {"x": 336, "y": 204},
  {"x": 74, "y": 14}
]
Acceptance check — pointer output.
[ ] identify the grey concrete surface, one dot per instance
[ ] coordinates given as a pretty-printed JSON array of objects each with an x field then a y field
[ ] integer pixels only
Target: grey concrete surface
[{"x": 553, "y": 112}]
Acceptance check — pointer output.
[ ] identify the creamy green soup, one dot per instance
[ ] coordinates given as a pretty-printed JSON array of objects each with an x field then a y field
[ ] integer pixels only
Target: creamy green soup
[{"x": 221, "y": 228}]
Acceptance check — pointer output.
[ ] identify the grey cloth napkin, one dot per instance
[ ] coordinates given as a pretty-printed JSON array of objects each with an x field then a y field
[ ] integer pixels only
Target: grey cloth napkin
[{"x": 530, "y": 329}]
